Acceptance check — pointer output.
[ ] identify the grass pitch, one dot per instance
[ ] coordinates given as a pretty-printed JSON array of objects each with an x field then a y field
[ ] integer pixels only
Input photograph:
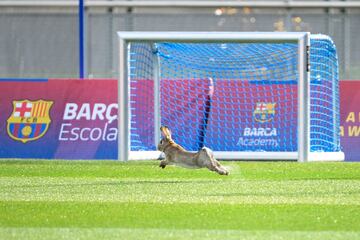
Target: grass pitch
[{"x": 139, "y": 200}]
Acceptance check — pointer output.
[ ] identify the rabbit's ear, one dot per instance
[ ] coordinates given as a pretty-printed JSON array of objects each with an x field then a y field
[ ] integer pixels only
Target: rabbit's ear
[
  {"x": 168, "y": 131},
  {"x": 165, "y": 131}
]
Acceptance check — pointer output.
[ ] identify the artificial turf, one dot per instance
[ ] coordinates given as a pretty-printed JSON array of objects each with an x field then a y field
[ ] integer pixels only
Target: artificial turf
[{"x": 138, "y": 200}]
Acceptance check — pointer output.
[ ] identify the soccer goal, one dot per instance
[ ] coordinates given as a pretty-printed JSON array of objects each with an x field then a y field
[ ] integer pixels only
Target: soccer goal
[{"x": 246, "y": 95}]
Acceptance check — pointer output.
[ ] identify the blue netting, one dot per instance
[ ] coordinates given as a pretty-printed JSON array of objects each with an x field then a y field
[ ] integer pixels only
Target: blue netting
[
  {"x": 324, "y": 93},
  {"x": 233, "y": 97}
]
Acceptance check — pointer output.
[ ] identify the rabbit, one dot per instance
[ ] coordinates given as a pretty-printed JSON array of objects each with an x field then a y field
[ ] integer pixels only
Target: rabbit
[{"x": 177, "y": 155}]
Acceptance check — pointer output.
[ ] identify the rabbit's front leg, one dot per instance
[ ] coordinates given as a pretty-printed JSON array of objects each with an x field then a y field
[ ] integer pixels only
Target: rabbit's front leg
[{"x": 163, "y": 163}]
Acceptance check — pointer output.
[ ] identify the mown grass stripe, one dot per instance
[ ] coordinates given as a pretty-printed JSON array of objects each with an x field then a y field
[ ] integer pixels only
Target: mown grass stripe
[
  {"x": 164, "y": 190},
  {"x": 165, "y": 234},
  {"x": 181, "y": 216},
  {"x": 150, "y": 169}
]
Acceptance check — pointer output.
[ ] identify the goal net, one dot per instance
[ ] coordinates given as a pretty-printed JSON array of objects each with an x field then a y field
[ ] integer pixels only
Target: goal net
[{"x": 245, "y": 96}]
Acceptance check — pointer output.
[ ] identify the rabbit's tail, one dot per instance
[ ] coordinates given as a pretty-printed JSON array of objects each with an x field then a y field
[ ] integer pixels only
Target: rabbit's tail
[
  {"x": 209, "y": 153},
  {"x": 207, "y": 150}
]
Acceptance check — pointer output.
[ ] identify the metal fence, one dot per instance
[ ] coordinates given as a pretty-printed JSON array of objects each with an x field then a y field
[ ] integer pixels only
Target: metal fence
[{"x": 40, "y": 38}]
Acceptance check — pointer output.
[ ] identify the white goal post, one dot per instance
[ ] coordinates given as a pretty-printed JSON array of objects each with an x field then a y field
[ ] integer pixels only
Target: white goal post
[{"x": 299, "y": 39}]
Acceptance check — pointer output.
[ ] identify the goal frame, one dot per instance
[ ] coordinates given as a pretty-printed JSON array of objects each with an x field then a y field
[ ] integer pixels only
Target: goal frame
[{"x": 302, "y": 39}]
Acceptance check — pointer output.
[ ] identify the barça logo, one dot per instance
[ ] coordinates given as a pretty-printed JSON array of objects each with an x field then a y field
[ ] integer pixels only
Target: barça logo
[
  {"x": 29, "y": 120},
  {"x": 264, "y": 112}
]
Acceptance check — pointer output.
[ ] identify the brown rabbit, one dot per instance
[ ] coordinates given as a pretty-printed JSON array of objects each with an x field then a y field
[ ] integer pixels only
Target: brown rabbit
[{"x": 177, "y": 155}]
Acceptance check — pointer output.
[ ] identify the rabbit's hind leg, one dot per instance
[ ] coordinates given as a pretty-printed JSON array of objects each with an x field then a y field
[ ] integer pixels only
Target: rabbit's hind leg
[
  {"x": 222, "y": 170},
  {"x": 213, "y": 166},
  {"x": 211, "y": 163},
  {"x": 218, "y": 167}
]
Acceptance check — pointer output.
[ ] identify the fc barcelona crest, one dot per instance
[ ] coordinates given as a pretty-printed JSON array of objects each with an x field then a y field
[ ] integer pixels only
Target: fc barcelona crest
[
  {"x": 29, "y": 120},
  {"x": 264, "y": 112}
]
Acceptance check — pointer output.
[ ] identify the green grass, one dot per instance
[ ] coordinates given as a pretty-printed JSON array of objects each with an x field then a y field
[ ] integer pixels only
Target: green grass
[{"x": 139, "y": 200}]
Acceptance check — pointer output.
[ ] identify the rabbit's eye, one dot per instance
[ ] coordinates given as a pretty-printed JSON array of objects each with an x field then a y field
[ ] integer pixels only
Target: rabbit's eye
[{"x": 161, "y": 141}]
